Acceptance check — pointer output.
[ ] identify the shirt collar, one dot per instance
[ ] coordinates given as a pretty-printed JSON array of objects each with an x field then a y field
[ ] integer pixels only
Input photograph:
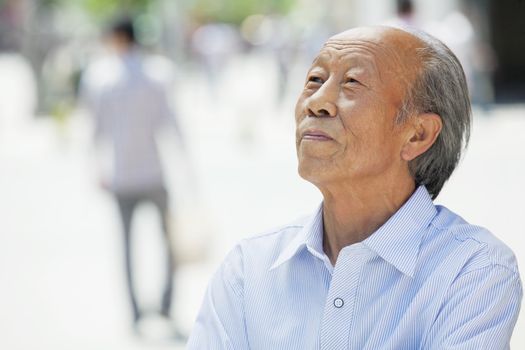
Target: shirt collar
[
  {"x": 397, "y": 241},
  {"x": 309, "y": 237}
]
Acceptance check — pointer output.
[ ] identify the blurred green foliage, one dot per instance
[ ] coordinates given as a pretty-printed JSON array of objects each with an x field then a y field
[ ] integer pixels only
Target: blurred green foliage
[
  {"x": 101, "y": 10},
  {"x": 229, "y": 11},
  {"x": 235, "y": 11}
]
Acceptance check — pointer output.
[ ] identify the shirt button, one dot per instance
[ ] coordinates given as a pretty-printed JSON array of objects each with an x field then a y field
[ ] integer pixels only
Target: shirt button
[{"x": 338, "y": 303}]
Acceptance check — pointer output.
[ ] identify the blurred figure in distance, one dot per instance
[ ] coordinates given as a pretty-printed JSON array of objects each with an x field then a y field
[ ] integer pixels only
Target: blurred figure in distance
[
  {"x": 130, "y": 106},
  {"x": 405, "y": 15}
]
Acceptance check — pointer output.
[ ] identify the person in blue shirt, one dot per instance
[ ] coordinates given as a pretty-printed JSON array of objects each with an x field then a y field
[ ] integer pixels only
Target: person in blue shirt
[{"x": 381, "y": 124}]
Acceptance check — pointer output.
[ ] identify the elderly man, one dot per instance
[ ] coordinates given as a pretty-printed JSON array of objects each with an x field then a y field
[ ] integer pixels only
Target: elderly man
[{"x": 381, "y": 123}]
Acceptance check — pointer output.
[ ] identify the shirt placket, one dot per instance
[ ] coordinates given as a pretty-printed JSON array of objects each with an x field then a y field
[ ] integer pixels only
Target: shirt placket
[{"x": 339, "y": 309}]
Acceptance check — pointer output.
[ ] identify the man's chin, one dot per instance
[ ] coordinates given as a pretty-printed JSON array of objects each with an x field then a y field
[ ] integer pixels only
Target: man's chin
[
  {"x": 316, "y": 151},
  {"x": 314, "y": 171}
]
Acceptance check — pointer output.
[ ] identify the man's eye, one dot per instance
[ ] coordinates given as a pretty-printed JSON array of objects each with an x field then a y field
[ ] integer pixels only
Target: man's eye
[
  {"x": 352, "y": 80},
  {"x": 314, "y": 79}
]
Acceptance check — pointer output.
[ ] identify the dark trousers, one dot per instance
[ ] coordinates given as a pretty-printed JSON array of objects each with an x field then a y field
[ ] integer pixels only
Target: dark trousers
[{"x": 127, "y": 203}]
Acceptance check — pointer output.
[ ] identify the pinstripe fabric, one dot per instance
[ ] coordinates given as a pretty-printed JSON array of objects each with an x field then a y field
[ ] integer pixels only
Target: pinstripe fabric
[{"x": 426, "y": 279}]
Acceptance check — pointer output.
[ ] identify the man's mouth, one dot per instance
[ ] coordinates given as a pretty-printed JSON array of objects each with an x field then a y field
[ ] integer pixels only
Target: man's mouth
[{"x": 316, "y": 135}]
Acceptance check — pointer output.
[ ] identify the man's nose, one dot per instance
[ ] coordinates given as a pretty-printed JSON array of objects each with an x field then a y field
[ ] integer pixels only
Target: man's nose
[{"x": 323, "y": 102}]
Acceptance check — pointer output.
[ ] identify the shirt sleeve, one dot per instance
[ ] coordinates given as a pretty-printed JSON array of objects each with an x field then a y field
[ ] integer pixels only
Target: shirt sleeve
[
  {"x": 165, "y": 115},
  {"x": 479, "y": 312},
  {"x": 166, "y": 118},
  {"x": 220, "y": 323}
]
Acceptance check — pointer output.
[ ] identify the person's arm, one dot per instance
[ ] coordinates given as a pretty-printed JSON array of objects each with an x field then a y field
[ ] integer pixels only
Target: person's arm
[
  {"x": 95, "y": 104},
  {"x": 480, "y": 311},
  {"x": 166, "y": 116},
  {"x": 220, "y": 323}
]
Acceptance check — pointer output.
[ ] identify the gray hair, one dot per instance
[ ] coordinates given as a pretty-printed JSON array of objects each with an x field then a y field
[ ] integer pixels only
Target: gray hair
[{"x": 441, "y": 88}]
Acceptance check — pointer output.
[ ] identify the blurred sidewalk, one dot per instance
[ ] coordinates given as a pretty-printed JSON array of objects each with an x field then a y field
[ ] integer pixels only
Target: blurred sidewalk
[{"x": 61, "y": 269}]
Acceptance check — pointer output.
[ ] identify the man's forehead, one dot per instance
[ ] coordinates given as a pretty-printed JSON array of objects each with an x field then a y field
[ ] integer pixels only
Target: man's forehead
[
  {"x": 354, "y": 52},
  {"x": 391, "y": 48},
  {"x": 347, "y": 58},
  {"x": 376, "y": 40},
  {"x": 381, "y": 35}
]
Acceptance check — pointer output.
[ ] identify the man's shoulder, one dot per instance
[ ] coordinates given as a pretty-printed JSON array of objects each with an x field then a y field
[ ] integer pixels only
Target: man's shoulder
[
  {"x": 484, "y": 247},
  {"x": 278, "y": 231},
  {"x": 264, "y": 248},
  {"x": 276, "y": 236}
]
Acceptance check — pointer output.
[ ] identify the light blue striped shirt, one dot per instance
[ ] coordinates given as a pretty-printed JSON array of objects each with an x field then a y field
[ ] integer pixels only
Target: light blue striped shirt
[{"x": 426, "y": 279}]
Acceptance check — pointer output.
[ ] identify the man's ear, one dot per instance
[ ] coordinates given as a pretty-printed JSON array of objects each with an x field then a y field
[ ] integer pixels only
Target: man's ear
[{"x": 423, "y": 132}]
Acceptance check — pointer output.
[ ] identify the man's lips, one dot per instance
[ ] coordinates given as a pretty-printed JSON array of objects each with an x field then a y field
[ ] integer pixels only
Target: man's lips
[{"x": 316, "y": 135}]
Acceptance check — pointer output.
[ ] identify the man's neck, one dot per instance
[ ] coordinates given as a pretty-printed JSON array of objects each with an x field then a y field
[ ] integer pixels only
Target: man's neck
[{"x": 352, "y": 213}]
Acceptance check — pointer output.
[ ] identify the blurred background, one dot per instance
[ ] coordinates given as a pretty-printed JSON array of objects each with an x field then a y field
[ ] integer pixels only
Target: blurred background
[{"x": 232, "y": 70}]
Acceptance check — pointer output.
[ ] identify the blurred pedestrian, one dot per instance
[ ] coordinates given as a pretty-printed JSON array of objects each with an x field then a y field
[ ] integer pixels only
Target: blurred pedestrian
[
  {"x": 130, "y": 106},
  {"x": 405, "y": 15}
]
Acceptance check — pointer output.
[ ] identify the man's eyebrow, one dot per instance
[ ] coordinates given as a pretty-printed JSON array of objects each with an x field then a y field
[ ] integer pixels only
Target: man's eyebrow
[
  {"x": 367, "y": 63},
  {"x": 365, "y": 54},
  {"x": 360, "y": 54}
]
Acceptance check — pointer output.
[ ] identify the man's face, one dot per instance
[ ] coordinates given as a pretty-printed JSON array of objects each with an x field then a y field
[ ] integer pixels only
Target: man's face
[{"x": 345, "y": 116}]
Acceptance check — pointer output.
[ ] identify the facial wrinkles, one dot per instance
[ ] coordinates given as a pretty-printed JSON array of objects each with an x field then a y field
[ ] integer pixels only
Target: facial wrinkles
[
  {"x": 380, "y": 56},
  {"x": 372, "y": 47},
  {"x": 376, "y": 56},
  {"x": 356, "y": 56},
  {"x": 369, "y": 56},
  {"x": 368, "y": 49}
]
